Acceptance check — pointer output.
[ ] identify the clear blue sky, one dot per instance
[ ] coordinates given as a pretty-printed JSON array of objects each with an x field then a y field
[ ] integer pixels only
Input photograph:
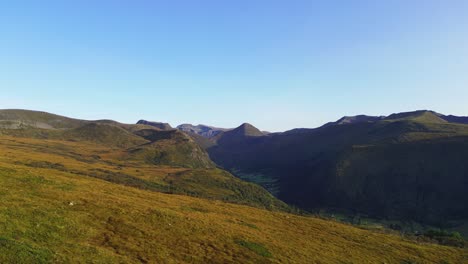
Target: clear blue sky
[{"x": 275, "y": 64}]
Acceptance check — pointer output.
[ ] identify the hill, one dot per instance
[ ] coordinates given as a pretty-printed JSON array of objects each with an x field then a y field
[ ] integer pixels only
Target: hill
[
  {"x": 238, "y": 134},
  {"x": 187, "y": 167},
  {"x": 17, "y": 118},
  {"x": 456, "y": 119},
  {"x": 408, "y": 166},
  {"x": 244, "y": 130},
  {"x": 141, "y": 141},
  {"x": 77, "y": 201},
  {"x": 423, "y": 116},
  {"x": 106, "y": 134},
  {"x": 162, "y": 126},
  {"x": 357, "y": 119},
  {"x": 172, "y": 148}
]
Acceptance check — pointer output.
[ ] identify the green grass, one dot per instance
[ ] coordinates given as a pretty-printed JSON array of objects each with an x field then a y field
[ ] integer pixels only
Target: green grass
[
  {"x": 12, "y": 251},
  {"x": 83, "y": 202},
  {"x": 255, "y": 247},
  {"x": 103, "y": 222}
]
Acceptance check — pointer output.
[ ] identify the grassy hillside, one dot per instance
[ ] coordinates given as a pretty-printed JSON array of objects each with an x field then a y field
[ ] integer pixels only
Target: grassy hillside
[
  {"x": 106, "y": 134},
  {"x": 409, "y": 166},
  {"x": 172, "y": 148},
  {"x": 111, "y": 164},
  {"x": 78, "y": 202},
  {"x": 14, "y": 118},
  {"x": 137, "y": 142}
]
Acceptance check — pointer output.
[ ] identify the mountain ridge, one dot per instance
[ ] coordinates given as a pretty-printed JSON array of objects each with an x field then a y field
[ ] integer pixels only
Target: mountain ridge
[
  {"x": 325, "y": 166},
  {"x": 325, "y": 157},
  {"x": 99, "y": 188},
  {"x": 160, "y": 125},
  {"x": 202, "y": 130}
]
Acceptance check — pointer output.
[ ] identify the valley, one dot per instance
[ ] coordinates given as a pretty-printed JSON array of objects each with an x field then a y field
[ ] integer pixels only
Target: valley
[{"x": 83, "y": 194}]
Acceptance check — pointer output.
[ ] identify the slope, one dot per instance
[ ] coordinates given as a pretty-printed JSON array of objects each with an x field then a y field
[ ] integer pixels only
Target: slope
[
  {"x": 172, "y": 148},
  {"x": 16, "y": 118},
  {"x": 51, "y": 212},
  {"x": 201, "y": 130},
  {"x": 408, "y": 166}
]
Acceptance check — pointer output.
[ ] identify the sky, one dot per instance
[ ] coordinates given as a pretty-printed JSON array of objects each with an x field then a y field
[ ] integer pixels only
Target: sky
[{"x": 275, "y": 64}]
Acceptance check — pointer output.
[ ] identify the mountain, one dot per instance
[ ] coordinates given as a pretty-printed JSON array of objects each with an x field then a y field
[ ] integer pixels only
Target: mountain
[
  {"x": 76, "y": 202},
  {"x": 105, "y": 192},
  {"x": 162, "y": 126},
  {"x": 430, "y": 116},
  {"x": 140, "y": 145},
  {"x": 345, "y": 120},
  {"x": 102, "y": 133},
  {"x": 456, "y": 119},
  {"x": 407, "y": 166},
  {"x": 424, "y": 116},
  {"x": 16, "y": 118},
  {"x": 171, "y": 147},
  {"x": 358, "y": 119},
  {"x": 202, "y": 130},
  {"x": 244, "y": 131}
]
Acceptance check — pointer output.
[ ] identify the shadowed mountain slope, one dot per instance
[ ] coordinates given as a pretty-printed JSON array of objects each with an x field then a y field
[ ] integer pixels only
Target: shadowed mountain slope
[
  {"x": 202, "y": 130},
  {"x": 170, "y": 147},
  {"x": 92, "y": 193},
  {"x": 357, "y": 119},
  {"x": 159, "y": 125},
  {"x": 238, "y": 135},
  {"x": 405, "y": 166},
  {"x": 72, "y": 202}
]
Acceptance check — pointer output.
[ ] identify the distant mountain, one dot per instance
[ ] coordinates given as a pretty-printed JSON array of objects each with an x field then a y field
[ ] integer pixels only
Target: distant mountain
[
  {"x": 244, "y": 130},
  {"x": 28, "y": 119},
  {"x": 406, "y": 166},
  {"x": 456, "y": 119},
  {"x": 17, "y": 118},
  {"x": 160, "y": 125},
  {"x": 238, "y": 135},
  {"x": 421, "y": 116},
  {"x": 342, "y": 121},
  {"x": 170, "y": 147},
  {"x": 202, "y": 130},
  {"x": 358, "y": 119},
  {"x": 101, "y": 133},
  {"x": 429, "y": 116}
]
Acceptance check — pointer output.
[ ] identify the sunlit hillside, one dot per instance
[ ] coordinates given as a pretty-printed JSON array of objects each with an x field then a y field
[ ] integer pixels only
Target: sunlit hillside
[{"x": 79, "y": 201}]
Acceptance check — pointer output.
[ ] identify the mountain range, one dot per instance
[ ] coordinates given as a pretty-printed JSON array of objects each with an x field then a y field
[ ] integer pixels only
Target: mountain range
[
  {"x": 409, "y": 166},
  {"x": 202, "y": 130},
  {"x": 103, "y": 191}
]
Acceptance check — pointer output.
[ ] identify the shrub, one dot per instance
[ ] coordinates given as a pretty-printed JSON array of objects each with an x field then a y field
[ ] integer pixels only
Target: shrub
[{"x": 446, "y": 238}]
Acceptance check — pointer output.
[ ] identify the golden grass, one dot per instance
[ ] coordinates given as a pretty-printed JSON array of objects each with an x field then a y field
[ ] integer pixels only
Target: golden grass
[{"x": 50, "y": 215}]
